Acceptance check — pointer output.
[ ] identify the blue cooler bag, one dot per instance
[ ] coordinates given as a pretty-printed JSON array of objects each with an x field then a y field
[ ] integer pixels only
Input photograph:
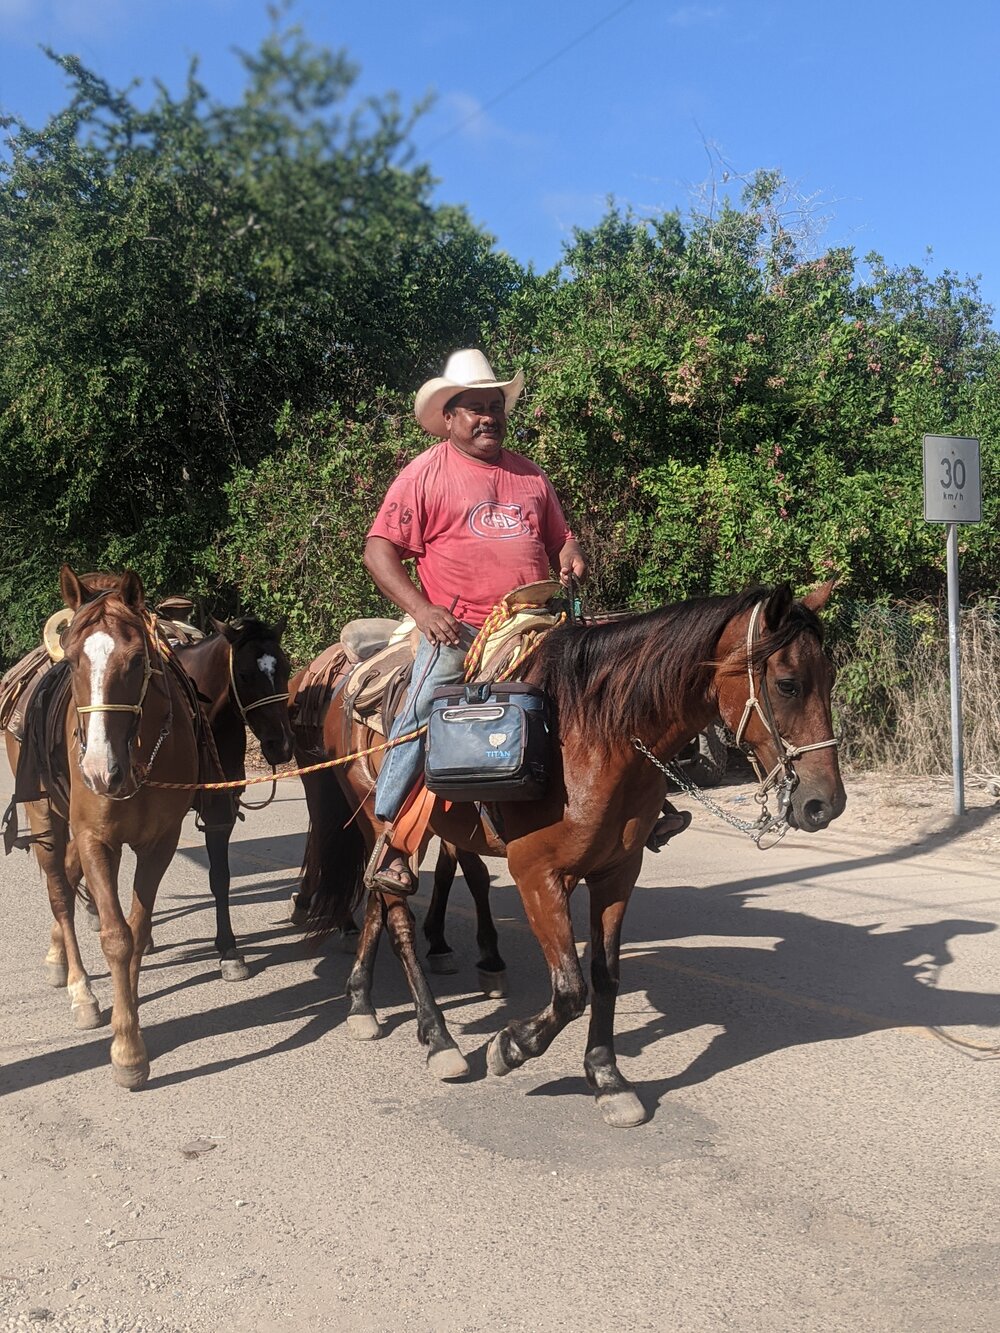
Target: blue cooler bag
[{"x": 488, "y": 742}]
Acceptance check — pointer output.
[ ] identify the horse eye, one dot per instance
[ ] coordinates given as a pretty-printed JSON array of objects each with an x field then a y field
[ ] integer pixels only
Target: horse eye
[{"x": 790, "y": 688}]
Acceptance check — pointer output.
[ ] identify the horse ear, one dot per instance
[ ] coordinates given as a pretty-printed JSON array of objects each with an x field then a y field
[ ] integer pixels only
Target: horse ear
[
  {"x": 817, "y": 598},
  {"x": 73, "y": 591},
  {"x": 131, "y": 591},
  {"x": 224, "y": 628},
  {"x": 279, "y": 626},
  {"x": 778, "y": 606}
]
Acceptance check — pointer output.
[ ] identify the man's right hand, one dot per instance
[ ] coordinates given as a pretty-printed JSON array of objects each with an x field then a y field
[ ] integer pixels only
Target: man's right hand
[{"x": 437, "y": 624}]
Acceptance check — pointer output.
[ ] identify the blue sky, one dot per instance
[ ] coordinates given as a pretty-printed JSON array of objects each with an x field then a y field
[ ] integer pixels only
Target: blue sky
[{"x": 884, "y": 115}]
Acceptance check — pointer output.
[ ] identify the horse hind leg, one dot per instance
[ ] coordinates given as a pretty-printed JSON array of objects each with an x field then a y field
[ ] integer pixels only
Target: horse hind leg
[
  {"x": 440, "y": 956},
  {"x": 362, "y": 1020},
  {"x": 491, "y": 966},
  {"x": 444, "y": 1059},
  {"x": 616, "y": 1098}
]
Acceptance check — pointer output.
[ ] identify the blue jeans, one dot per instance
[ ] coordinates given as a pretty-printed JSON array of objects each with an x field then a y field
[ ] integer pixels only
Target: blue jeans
[{"x": 435, "y": 664}]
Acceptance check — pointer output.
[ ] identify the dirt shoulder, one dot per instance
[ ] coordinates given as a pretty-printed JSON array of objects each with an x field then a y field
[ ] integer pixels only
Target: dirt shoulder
[{"x": 900, "y": 808}]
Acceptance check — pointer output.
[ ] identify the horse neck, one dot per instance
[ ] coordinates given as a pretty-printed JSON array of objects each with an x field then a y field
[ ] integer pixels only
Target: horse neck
[{"x": 207, "y": 664}]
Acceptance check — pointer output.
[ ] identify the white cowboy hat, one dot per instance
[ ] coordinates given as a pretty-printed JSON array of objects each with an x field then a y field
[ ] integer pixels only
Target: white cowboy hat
[{"x": 467, "y": 369}]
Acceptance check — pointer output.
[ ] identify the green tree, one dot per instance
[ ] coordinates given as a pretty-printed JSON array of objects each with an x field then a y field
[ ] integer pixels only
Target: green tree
[{"x": 171, "y": 275}]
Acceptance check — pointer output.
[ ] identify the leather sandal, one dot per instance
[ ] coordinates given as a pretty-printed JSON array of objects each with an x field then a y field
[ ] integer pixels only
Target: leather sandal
[
  {"x": 392, "y": 879},
  {"x": 667, "y": 827}
]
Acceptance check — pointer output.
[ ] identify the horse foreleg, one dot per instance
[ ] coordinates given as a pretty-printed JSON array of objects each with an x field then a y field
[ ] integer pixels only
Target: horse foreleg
[
  {"x": 492, "y": 968},
  {"x": 444, "y": 1059},
  {"x": 546, "y": 902},
  {"x": 231, "y": 961},
  {"x": 63, "y": 962},
  {"x": 129, "y": 1061},
  {"x": 616, "y": 1098}
]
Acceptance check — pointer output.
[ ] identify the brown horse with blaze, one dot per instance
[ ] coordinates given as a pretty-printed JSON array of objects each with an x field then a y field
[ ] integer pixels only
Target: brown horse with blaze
[
  {"x": 128, "y": 716},
  {"x": 626, "y": 696}
]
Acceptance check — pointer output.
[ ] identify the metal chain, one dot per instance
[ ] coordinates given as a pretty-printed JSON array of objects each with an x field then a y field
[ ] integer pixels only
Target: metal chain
[{"x": 765, "y": 824}]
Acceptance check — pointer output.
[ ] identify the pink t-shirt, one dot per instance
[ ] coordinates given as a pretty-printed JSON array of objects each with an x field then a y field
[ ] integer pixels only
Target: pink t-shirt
[{"x": 475, "y": 530}]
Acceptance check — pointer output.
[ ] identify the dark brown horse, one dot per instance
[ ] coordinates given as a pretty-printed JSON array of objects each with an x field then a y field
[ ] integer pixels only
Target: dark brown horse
[
  {"x": 241, "y": 674},
  {"x": 626, "y": 697},
  {"x": 128, "y": 719}
]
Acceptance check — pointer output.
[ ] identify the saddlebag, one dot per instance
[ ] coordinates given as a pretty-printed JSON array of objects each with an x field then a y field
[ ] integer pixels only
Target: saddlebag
[{"x": 488, "y": 742}]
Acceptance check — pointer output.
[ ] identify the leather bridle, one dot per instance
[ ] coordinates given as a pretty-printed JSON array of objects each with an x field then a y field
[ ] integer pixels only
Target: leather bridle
[
  {"x": 83, "y": 710},
  {"x": 257, "y": 703},
  {"x": 760, "y": 704}
]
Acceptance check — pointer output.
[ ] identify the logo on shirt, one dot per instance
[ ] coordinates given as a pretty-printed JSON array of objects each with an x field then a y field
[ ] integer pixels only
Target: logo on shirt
[{"x": 491, "y": 519}]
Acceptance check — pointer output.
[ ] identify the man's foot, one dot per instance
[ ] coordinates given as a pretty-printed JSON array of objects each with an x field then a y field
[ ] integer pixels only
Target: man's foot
[
  {"x": 394, "y": 875},
  {"x": 669, "y": 824}
]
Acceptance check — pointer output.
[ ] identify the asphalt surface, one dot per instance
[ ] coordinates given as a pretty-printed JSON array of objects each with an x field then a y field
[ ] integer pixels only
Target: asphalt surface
[{"x": 818, "y": 1157}]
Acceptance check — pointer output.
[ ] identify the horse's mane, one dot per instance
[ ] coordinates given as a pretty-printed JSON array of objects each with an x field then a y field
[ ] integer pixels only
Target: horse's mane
[{"x": 609, "y": 680}]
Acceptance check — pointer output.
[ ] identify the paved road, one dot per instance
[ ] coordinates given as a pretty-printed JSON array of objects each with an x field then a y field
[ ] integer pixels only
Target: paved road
[{"x": 817, "y": 1158}]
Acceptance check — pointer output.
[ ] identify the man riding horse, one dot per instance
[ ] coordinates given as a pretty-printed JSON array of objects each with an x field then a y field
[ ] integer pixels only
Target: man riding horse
[{"x": 477, "y": 520}]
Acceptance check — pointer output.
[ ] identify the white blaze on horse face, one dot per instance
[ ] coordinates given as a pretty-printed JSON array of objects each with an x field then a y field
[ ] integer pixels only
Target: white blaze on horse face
[
  {"x": 268, "y": 664},
  {"x": 97, "y": 761}
]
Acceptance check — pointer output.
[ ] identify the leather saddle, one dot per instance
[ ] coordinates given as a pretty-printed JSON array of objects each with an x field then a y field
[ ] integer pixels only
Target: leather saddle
[{"x": 372, "y": 663}]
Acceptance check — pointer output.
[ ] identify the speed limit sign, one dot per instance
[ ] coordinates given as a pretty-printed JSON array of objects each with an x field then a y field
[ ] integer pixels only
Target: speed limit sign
[{"x": 951, "y": 479}]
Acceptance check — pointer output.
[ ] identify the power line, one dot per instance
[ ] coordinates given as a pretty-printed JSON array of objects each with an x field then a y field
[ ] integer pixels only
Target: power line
[{"x": 549, "y": 60}]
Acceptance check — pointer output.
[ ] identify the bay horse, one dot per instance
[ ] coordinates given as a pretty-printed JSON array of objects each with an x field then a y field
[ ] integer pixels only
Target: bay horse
[
  {"x": 241, "y": 675},
  {"x": 626, "y": 696},
  {"x": 128, "y": 717}
]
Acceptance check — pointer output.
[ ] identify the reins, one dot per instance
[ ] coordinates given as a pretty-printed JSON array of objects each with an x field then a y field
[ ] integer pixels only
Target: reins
[
  {"x": 291, "y": 773},
  {"x": 766, "y": 823}
]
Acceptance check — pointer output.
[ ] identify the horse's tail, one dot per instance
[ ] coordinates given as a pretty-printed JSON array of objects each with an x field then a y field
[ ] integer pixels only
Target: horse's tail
[{"x": 333, "y": 866}]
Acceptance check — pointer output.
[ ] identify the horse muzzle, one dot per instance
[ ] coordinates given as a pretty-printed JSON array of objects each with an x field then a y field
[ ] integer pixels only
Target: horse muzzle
[
  {"x": 277, "y": 749},
  {"x": 811, "y": 811}
]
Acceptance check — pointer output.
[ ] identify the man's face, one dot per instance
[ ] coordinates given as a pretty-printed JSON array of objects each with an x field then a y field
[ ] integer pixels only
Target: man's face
[{"x": 477, "y": 422}]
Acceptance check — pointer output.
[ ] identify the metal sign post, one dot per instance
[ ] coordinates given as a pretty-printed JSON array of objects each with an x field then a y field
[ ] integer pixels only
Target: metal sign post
[{"x": 952, "y": 495}]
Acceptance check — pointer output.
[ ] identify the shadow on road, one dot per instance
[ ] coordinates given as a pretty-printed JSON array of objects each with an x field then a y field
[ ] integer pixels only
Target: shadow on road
[{"x": 810, "y": 980}]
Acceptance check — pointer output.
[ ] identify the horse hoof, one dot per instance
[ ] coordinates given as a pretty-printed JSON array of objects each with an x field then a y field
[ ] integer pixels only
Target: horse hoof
[
  {"x": 87, "y": 1016},
  {"x": 298, "y": 916},
  {"x": 233, "y": 967},
  {"x": 495, "y": 1062},
  {"x": 449, "y": 1063},
  {"x": 56, "y": 974},
  {"x": 621, "y": 1110},
  {"x": 442, "y": 964},
  {"x": 150, "y": 948},
  {"x": 349, "y": 942},
  {"x": 493, "y": 984},
  {"x": 132, "y": 1077},
  {"x": 363, "y": 1027}
]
